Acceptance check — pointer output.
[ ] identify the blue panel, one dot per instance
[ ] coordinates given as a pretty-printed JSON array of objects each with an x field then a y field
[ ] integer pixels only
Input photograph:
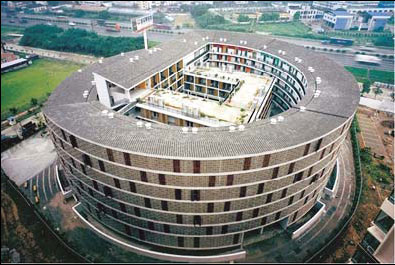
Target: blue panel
[
  {"x": 341, "y": 23},
  {"x": 379, "y": 23}
]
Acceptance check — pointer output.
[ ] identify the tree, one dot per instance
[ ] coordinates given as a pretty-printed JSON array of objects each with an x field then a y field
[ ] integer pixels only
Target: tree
[
  {"x": 13, "y": 110},
  {"x": 366, "y": 87},
  {"x": 269, "y": 16},
  {"x": 104, "y": 14},
  {"x": 243, "y": 18},
  {"x": 296, "y": 16},
  {"x": 79, "y": 13},
  {"x": 34, "y": 102},
  {"x": 377, "y": 91}
]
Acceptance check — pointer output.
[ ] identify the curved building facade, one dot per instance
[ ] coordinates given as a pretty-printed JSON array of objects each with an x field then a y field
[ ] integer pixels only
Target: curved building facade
[{"x": 203, "y": 189}]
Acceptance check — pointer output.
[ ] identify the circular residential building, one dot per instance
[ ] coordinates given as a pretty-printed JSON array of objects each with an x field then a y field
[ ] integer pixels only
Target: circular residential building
[{"x": 182, "y": 151}]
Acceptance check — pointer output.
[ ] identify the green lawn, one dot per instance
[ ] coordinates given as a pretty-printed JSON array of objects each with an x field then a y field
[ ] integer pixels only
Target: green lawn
[
  {"x": 291, "y": 29},
  {"x": 36, "y": 81},
  {"x": 361, "y": 74},
  {"x": 5, "y": 30}
]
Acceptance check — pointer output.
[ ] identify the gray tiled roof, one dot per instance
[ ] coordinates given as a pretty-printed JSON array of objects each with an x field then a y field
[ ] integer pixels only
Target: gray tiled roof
[{"x": 338, "y": 101}]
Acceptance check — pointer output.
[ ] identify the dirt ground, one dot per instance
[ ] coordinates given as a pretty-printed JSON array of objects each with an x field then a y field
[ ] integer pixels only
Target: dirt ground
[
  {"x": 181, "y": 19},
  {"x": 371, "y": 199},
  {"x": 68, "y": 223},
  {"x": 16, "y": 235}
]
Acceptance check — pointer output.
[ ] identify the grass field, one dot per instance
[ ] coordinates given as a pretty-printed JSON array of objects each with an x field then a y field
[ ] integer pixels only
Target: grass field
[
  {"x": 36, "y": 81},
  {"x": 5, "y": 30},
  {"x": 362, "y": 74}
]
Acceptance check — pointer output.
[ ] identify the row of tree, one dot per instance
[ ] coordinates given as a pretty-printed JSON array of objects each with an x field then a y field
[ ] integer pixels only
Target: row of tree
[
  {"x": 78, "y": 41},
  {"x": 204, "y": 18}
]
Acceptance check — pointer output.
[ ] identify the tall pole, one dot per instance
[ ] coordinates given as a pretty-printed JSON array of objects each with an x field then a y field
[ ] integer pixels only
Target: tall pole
[{"x": 145, "y": 39}]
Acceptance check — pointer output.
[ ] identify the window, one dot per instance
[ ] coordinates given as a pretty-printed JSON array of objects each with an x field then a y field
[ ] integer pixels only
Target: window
[
  {"x": 176, "y": 166},
  {"x": 126, "y": 157},
  {"x": 291, "y": 168},
  {"x": 87, "y": 160},
  {"x": 243, "y": 191},
  {"x": 211, "y": 181},
  {"x": 150, "y": 225},
  {"x": 127, "y": 230},
  {"x": 166, "y": 228},
  {"x": 310, "y": 170},
  {"x": 180, "y": 241},
  {"x": 83, "y": 169},
  {"x": 132, "y": 186},
  {"x": 162, "y": 179},
  {"x": 141, "y": 234},
  {"x": 195, "y": 195},
  {"x": 95, "y": 185},
  {"x": 275, "y": 173},
  {"x": 114, "y": 213},
  {"x": 260, "y": 188},
  {"x": 107, "y": 191},
  {"x": 110, "y": 155},
  {"x": 229, "y": 180},
  {"x": 189, "y": 124},
  {"x": 284, "y": 193},
  {"x": 264, "y": 220},
  {"x": 224, "y": 229},
  {"x": 278, "y": 214},
  {"x": 236, "y": 238},
  {"x": 266, "y": 161},
  {"x": 269, "y": 197},
  {"x": 302, "y": 194},
  {"x": 294, "y": 216},
  {"x": 147, "y": 202},
  {"x": 179, "y": 219},
  {"x": 209, "y": 230},
  {"x": 196, "y": 241},
  {"x": 90, "y": 192},
  {"x": 305, "y": 200},
  {"x": 143, "y": 176},
  {"x": 122, "y": 206},
  {"x": 322, "y": 153},
  {"x": 63, "y": 134},
  {"x": 255, "y": 212},
  {"x": 73, "y": 141},
  {"x": 227, "y": 206},
  {"x": 314, "y": 178},
  {"x": 101, "y": 166},
  {"x": 164, "y": 205},
  {"x": 318, "y": 145},
  {"x": 137, "y": 211},
  {"x": 247, "y": 163},
  {"x": 210, "y": 207},
  {"x": 196, "y": 166},
  {"x": 197, "y": 220},
  {"x": 384, "y": 222},
  {"x": 177, "y": 194},
  {"x": 298, "y": 177},
  {"x": 117, "y": 184},
  {"x": 291, "y": 199},
  {"x": 239, "y": 216}
]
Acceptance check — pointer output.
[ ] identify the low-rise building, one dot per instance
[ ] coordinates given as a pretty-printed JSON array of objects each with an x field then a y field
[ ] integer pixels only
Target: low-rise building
[
  {"x": 338, "y": 20},
  {"x": 378, "y": 244}
]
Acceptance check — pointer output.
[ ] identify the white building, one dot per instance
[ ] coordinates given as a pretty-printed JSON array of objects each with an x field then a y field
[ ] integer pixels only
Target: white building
[{"x": 307, "y": 14}]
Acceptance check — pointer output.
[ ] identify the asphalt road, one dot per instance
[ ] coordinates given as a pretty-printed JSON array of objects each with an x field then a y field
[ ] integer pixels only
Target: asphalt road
[{"x": 342, "y": 59}]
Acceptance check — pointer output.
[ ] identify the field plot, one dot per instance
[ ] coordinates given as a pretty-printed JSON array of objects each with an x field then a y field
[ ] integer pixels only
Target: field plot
[{"x": 36, "y": 81}]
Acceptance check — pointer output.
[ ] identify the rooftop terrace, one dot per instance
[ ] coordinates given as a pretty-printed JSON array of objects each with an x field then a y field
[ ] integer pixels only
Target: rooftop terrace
[{"x": 235, "y": 110}]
